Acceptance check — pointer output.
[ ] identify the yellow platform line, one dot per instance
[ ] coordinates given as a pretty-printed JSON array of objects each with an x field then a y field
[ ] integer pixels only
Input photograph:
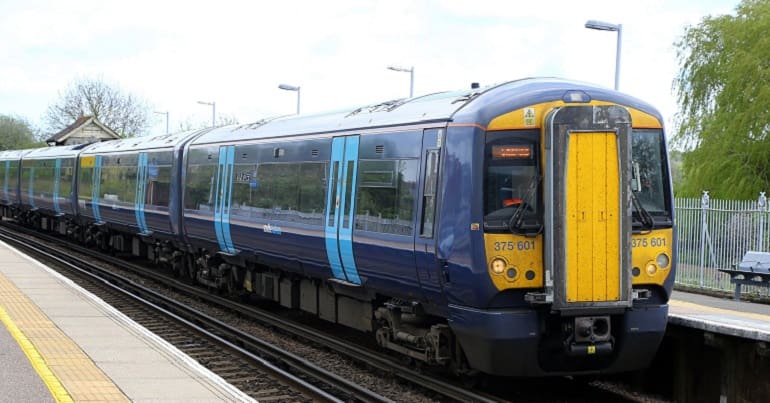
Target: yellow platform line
[
  {"x": 38, "y": 363},
  {"x": 694, "y": 308},
  {"x": 64, "y": 367}
]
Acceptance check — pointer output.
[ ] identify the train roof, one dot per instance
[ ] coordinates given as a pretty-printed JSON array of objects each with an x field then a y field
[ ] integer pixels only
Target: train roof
[
  {"x": 478, "y": 106},
  {"x": 13, "y": 154},
  {"x": 142, "y": 143},
  {"x": 55, "y": 152}
]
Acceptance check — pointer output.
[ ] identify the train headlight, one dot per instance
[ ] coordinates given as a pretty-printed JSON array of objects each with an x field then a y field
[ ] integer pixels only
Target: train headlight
[
  {"x": 651, "y": 269},
  {"x": 498, "y": 265},
  {"x": 662, "y": 261}
]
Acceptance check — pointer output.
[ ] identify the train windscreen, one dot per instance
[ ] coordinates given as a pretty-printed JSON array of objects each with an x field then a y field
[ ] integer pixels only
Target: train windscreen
[
  {"x": 649, "y": 175},
  {"x": 511, "y": 183}
]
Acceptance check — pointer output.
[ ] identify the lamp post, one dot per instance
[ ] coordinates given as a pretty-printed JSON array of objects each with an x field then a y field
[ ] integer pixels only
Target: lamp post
[
  {"x": 164, "y": 113},
  {"x": 288, "y": 87},
  {"x": 411, "y": 77},
  {"x": 213, "y": 111},
  {"x": 606, "y": 26}
]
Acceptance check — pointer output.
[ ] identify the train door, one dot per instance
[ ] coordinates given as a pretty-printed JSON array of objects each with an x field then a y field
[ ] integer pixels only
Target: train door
[
  {"x": 340, "y": 208},
  {"x": 56, "y": 186},
  {"x": 223, "y": 198},
  {"x": 587, "y": 193},
  {"x": 424, "y": 240},
  {"x": 141, "y": 192}
]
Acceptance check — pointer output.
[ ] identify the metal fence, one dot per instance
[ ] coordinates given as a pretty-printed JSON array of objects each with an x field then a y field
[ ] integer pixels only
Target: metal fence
[{"x": 715, "y": 234}]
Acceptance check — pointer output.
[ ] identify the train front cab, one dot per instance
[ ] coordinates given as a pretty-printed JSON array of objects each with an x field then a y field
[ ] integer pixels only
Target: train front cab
[{"x": 582, "y": 262}]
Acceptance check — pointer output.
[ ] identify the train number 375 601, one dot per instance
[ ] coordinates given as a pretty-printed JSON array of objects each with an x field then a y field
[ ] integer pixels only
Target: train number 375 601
[
  {"x": 645, "y": 242},
  {"x": 512, "y": 245}
]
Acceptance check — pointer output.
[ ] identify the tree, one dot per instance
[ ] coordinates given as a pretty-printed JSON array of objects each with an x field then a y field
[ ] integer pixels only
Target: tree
[
  {"x": 126, "y": 114},
  {"x": 723, "y": 90},
  {"x": 16, "y": 133}
]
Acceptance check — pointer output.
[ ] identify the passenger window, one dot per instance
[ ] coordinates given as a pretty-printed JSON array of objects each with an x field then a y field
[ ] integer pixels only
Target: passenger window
[
  {"x": 158, "y": 179},
  {"x": 386, "y": 196}
]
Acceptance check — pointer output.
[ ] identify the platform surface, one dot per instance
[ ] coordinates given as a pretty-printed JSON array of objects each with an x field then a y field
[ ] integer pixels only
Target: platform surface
[
  {"x": 60, "y": 343},
  {"x": 720, "y": 315}
]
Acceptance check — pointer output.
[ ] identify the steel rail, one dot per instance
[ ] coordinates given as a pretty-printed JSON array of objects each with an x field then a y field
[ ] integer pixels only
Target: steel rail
[{"x": 230, "y": 338}]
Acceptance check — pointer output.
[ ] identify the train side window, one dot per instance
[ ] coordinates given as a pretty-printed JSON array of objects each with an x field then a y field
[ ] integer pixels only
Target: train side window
[
  {"x": 65, "y": 178},
  {"x": 85, "y": 183},
  {"x": 13, "y": 180},
  {"x": 3, "y": 182},
  {"x": 199, "y": 192},
  {"x": 429, "y": 193},
  {"x": 276, "y": 192},
  {"x": 158, "y": 189},
  {"x": 312, "y": 192},
  {"x": 386, "y": 196}
]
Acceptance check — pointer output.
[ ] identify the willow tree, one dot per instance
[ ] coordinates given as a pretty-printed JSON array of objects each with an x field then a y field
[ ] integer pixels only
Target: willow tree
[{"x": 723, "y": 91}]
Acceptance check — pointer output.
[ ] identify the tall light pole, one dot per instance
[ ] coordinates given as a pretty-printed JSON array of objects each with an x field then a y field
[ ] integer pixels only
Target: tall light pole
[
  {"x": 606, "y": 26},
  {"x": 411, "y": 76},
  {"x": 288, "y": 87},
  {"x": 213, "y": 111},
  {"x": 164, "y": 113}
]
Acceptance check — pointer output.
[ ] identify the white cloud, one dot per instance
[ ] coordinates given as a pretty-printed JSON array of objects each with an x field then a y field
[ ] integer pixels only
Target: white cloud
[{"x": 236, "y": 53}]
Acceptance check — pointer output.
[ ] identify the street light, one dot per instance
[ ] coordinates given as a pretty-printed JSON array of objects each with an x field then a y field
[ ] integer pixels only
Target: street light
[
  {"x": 606, "y": 26},
  {"x": 213, "y": 111},
  {"x": 164, "y": 113},
  {"x": 411, "y": 76},
  {"x": 288, "y": 87}
]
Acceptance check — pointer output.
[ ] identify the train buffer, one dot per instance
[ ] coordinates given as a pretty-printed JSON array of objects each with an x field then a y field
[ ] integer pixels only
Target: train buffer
[{"x": 753, "y": 269}]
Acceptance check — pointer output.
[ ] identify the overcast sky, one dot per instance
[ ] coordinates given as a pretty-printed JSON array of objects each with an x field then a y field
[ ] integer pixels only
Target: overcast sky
[{"x": 235, "y": 53}]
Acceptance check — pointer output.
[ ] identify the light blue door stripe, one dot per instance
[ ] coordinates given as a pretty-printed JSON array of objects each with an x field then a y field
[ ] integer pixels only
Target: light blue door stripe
[
  {"x": 31, "y": 192},
  {"x": 346, "y": 227},
  {"x": 227, "y": 199},
  {"x": 95, "y": 188},
  {"x": 141, "y": 192},
  {"x": 223, "y": 198},
  {"x": 218, "y": 197},
  {"x": 333, "y": 199},
  {"x": 56, "y": 181}
]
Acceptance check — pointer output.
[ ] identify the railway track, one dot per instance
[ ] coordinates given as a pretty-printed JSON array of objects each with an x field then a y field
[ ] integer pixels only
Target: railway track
[
  {"x": 233, "y": 355},
  {"x": 61, "y": 255},
  {"x": 430, "y": 386}
]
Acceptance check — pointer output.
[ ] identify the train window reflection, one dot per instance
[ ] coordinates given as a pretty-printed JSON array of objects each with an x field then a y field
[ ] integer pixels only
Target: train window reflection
[
  {"x": 386, "y": 196},
  {"x": 648, "y": 170}
]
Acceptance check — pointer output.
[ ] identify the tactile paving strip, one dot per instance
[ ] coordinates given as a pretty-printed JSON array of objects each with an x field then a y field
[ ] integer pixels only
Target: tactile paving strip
[{"x": 67, "y": 371}]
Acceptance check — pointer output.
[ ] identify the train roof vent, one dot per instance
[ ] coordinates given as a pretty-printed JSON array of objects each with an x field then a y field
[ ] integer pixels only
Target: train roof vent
[
  {"x": 386, "y": 106},
  {"x": 379, "y": 149},
  {"x": 467, "y": 97},
  {"x": 314, "y": 153}
]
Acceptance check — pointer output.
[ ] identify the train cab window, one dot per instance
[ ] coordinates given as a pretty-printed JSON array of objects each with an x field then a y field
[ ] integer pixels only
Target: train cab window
[
  {"x": 386, "y": 196},
  {"x": 512, "y": 183},
  {"x": 648, "y": 175}
]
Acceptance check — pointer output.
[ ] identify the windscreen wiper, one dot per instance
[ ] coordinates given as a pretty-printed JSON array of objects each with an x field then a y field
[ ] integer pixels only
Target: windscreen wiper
[
  {"x": 517, "y": 224},
  {"x": 644, "y": 216}
]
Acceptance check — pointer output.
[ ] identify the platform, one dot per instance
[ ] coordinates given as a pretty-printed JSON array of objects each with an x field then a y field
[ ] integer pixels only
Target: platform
[
  {"x": 58, "y": 342},
  {"x": 720, "y": 315}
]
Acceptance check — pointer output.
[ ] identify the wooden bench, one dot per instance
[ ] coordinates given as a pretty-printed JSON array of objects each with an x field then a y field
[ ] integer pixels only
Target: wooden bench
[{"x": 753, "y": 269}]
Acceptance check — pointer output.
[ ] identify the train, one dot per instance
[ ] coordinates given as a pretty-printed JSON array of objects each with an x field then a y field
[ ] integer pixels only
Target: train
[{"x": 523, "y": 229}]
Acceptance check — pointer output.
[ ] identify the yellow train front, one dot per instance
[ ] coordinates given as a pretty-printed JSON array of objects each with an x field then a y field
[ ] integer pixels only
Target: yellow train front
[{"x": 570, "y": 265}]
